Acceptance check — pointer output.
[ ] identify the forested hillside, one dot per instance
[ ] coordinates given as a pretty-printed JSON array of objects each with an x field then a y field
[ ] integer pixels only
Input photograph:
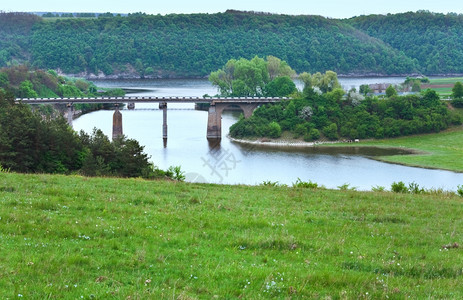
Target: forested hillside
[
  {"x": 433, "y": 40},
  {"x": 194, "y": 45}
]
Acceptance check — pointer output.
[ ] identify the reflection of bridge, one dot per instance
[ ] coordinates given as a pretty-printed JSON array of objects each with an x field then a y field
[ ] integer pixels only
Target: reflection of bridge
[{"x": 214, "y": 123}]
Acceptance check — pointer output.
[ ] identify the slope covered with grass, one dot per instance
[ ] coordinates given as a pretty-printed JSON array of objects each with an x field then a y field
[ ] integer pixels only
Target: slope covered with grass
[{"x": 76, "y": 237}]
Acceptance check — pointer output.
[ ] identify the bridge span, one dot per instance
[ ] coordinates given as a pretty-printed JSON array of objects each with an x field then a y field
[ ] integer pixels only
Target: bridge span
[{"x": 214, "y": 123}]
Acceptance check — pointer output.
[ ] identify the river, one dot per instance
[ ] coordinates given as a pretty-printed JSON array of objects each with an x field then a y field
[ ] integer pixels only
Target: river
[{"x": 232, "y": 163}]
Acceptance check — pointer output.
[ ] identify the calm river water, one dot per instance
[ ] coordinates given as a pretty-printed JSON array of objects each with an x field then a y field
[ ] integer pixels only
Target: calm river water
[{"x": 233, "y": 163}]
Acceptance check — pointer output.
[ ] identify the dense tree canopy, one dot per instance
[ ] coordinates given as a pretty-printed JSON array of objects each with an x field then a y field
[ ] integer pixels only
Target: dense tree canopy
[
  {"x": 196, "y": 44},
  {"x": 256, "y": 77},
  {"x": 38, "y": 139},
  {"x": 432, "y": 40},
  {"x": 332, "y": 115}
]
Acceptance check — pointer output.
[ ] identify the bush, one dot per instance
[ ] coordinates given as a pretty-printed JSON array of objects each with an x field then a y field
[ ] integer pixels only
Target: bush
[
  {"x": 274, "y": 130},
  {"x": 303, "y": 184},
  {"x": 300, "y": 130},
  {"x": 378, "y": 188},
  {"x": 399, "y": 187},
  {"x": 458, "y": 102},
  {"x": 269, "y": 183},
  {"x": 331, "y": 131},
  {"x": 414, "y": 188},
  {"x": 460, "y": 190},
  {"x": 346, "y": 187}
]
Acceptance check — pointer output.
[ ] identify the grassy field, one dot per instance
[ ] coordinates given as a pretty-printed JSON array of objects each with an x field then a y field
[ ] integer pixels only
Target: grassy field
[
  {"x": 446, "y": 80},
  {"x": 444, "y": 92},
  {"x": 95, "y": 238},
  {"x": 442, "y": 150}
]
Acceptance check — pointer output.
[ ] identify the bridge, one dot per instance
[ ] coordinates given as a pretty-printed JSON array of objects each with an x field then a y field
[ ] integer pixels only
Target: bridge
[{"x": 214, "y": 120}]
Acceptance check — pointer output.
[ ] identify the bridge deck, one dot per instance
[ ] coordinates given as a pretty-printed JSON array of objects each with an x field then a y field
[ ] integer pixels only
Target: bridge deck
[{"x": 152, "y": 100}]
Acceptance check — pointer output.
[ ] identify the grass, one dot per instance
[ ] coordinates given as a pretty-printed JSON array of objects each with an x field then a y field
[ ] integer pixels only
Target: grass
[
  {"x": 444, "y": 92},
  {"x": 96, "y": 238},
  {"x": 441, "y": 150},
  {"x": 446, "y": 80}
]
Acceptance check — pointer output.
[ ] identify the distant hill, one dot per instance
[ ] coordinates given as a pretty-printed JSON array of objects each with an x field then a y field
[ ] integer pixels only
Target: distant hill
[
  {"x": 193, "y": 45},
  {"x": 434, "y": 41}
]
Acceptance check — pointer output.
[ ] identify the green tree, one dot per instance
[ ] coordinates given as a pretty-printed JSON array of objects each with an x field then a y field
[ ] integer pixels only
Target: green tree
[
  {"x": 457, "y": 90},
  {"x": 254, "y": 77},
  {"x": 276, "y": 68},
  {"x": 26, "y": 90},
  {"x": 140, "y": 68},
  {"x": 391, "y": 91},
  {"x": 364, "y": 89},
  {"x": 416, "y": 87},
  {"x": 274, "y": 130},
  {"x": 280, "y": 87},
  {"x": 325, "y": 82}
]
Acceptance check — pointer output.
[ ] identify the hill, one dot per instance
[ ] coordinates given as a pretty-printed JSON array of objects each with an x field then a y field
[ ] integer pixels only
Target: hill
[
  {"x": 77, "y": 237},
  {"x": 193, "y": 45},
  {"x": 433, "y": 40}
]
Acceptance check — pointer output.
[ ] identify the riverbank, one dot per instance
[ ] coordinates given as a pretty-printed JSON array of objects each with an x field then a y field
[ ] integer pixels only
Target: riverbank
[
  {"x": 441, "y": 150},
  {"x": 283, "y": 143},
  {"x": 159, "y": 239}
]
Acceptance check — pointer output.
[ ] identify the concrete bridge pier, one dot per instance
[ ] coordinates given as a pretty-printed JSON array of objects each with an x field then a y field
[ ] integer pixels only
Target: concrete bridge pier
[
  {"x": 117, "y": 123},
  {"x": 70, "y": 113},
  {"x": 163, "y": 106},
  {"x": 214, "y": 119}
]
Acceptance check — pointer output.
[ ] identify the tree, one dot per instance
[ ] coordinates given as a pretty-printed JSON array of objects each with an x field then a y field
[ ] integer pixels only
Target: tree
[
  {"x": 26, "y": 90},
  {"x": 416, "y": 87},
  {"x": 325, "y": 82},
  {"x": 391, "y": 91},
  {"x": 364, "y": 89},
  {"x": 252, "y": 78},
  {"x": 140, "y": 68},
  {"x": 280, "y": 87},
  {"x": 457, "y": 90},
  {"x": 276, "y": 67},
  {"x": 306, "y": 78}
]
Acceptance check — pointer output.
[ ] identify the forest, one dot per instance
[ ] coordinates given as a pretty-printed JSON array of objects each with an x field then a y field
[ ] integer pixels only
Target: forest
[{"x": 193, "y": 45}]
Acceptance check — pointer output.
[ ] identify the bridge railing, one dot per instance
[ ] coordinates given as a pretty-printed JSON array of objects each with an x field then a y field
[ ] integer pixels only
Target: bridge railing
[{"x": 150, "y": 99}]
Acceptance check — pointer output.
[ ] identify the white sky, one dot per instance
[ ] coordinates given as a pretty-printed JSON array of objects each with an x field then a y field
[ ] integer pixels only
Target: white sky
[{"x": 327, "y": 8}]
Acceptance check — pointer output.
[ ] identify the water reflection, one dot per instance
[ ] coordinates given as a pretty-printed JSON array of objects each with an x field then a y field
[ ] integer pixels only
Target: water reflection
[{"x": 330, "y": 150}]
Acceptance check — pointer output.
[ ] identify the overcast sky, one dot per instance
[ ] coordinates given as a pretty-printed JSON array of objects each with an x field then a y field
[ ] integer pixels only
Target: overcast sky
[{"x": 327, "y": 8}]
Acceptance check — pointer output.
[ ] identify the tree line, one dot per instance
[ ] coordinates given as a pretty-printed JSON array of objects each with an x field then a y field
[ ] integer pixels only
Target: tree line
[
  {"x": 37, "y": 139},
  {"x": 193, "y": 45}
]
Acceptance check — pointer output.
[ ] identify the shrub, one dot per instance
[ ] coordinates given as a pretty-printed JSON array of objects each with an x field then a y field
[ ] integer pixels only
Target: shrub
[
  {"x": 300, "y": 130},
  {"x": 331, "y": 131},
  {"x": 313, "y": 135},
  {"x": 274, "y": 130},
  {"x": 4, "y": 170},
  {"x": 378, "y": 188},
  {"x": 414, "y": 188},
  {"x": 346, "y": 187},
  {"x": 399, "y": 187},
  {"x": 303, "y": 184},
  {"x": 269, "y": 183},
  {"x": 460, "y": 190},
  {"x": 458, "y": 102},
  {"x": 176, "y": 172}
]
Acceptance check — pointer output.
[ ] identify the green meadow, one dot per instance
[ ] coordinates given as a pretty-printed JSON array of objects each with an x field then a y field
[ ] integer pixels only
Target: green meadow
[
  {"x": 444, "y": 92},
  {"x": 442, "y": 150},
  {"x": 97, "y": 238}
]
